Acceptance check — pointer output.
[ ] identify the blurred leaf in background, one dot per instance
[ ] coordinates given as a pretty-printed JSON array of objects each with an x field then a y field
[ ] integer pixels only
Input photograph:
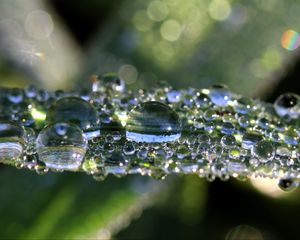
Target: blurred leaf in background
[{"x": 250, "y": 46}]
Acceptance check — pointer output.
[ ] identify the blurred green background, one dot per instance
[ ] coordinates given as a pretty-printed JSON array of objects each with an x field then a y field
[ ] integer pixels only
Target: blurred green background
[{"x": 251, "y": 46}]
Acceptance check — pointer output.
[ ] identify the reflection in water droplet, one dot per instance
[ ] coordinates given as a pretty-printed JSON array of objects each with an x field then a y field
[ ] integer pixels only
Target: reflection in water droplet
[
  {"x": 11, "y": 141},
  {"x": 61, "y": 146},
  {"x": 75, "y": 110},
  {"x": 288, "y": 105},
  {"x": 287, "y": 184},
  {"x": 153, "y": 122}
]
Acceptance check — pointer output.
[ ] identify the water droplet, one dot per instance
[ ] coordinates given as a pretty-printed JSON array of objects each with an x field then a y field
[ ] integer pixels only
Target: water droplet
[
  {"x": 228, "y": 140},
  {"x": 30, "y": 91},
  {"x": 116, "y": 164},
  {"x": 236, "y": 167},
  {"x": 90, "y": 166},
  {"x": 61, "y": 146},
  {"x": 249, "y": 139},
  {"x": 108, "y": 81},
  {"x": 287, "y": 184},
  {"x": 219, "y": 95},
  {"x": 263, "y": 150},
  {"x": 173, "y": 96},
  {"x": 75, "y": 110},
  {"x": 15, "y": 95},
  {"x": 263, "y": 123},
  {"x": 11, "y": 141},
  {"x": 244, "y": 121},
  {"x": 210, "y": 115},
  {"x": 41, "y": 168},
  {"x": 288, "y": 104},
  {"x": 227, "y": 128},
  {"x": 42, "y": 95},
  {"x": 243, "y": 105},
  {"x": 153, "y": 122},
  {"x": 128, "y": 148}
]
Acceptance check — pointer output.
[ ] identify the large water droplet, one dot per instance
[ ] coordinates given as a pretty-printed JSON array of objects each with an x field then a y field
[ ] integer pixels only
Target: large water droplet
[
  {"x": 263, "y": 150},
  {"x": 11, "y": 141},
  {"x": 153, "y": 122},
  {"x": 61, "y": 146},
  {"x": 219, "y": 95},
  {"x": 75, "y": 110},
  {"x": 288, "y": 105},
  {"x": 287, "y": 184}
]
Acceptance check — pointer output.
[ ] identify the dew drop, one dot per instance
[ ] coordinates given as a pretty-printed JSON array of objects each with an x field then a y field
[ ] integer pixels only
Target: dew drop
[
  {"x": 228, "y": 140},
  {"x": 30, "y": 91},
  {"x": 15, "y": 95},
  {"x": 288, "y": 104},
  {"x": 77, "y": 111},
  {"x": 227, "y": 128},
  {"x": 153, "y": 122},
  {"x": 11, "y": 141},
  {"x": 249, "y": 139},
  {"x": 219, "y": 95},
  {"x": 263, "y": 150},
  {"x": 173, "y": 96},
  {"x": 61, "y": 146},
  {"x": 287, "y": 185},
  {"x": 108, "y": 81},
  {"x": 243, "y": 105}
]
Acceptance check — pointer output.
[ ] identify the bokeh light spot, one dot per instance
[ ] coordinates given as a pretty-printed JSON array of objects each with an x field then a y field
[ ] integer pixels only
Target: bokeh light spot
[
  {"x": 290, "y": 40},
  {"x": 163, "y": 51},
  {"x": 128, "y": 73},
  {"x": 157, "y": 10},
  {"x": 39, "y": 24},
  {"x": 170, "y": 30},
  {"x": 219, "y": 10},
  {"x": 141, "y": 21}
]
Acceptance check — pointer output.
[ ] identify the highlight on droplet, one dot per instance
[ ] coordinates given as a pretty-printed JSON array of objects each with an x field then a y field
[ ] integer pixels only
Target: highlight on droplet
[{"x": 290, "y": 40}]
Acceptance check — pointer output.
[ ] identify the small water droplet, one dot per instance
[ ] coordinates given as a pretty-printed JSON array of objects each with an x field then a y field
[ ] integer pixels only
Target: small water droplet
[
  {"x": 287, "y": 185},
  {"x": 228, "y": 140},
  {"x": 41, "y": 168},
  {"x": 249, "y": 139},
  {"x": 244, "y": 121},
  {"x": 173, "y": 96},
  {"x": 15, "y": 95},
  {"x": 219, "y": 95},
  {"x": 236, "y": 167},
  {"x": 30, "y": 91},
  {"x": 288, "y": 104},
  {"x": 243, "y": 105},
  {"x": 61, "y": 146},
  {"x": 11, "y": 141},
  {"x": 227, "y": 128},
  {"x": 75, "y": 110},
  {"x": 108, "y": 81},
  {"x": 153, "y": 122},
  {"x": 128, "y": 148}
]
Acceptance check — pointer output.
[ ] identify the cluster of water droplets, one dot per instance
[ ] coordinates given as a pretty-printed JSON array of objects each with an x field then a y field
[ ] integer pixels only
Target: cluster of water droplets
[{"x": 109, "y": 130}]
